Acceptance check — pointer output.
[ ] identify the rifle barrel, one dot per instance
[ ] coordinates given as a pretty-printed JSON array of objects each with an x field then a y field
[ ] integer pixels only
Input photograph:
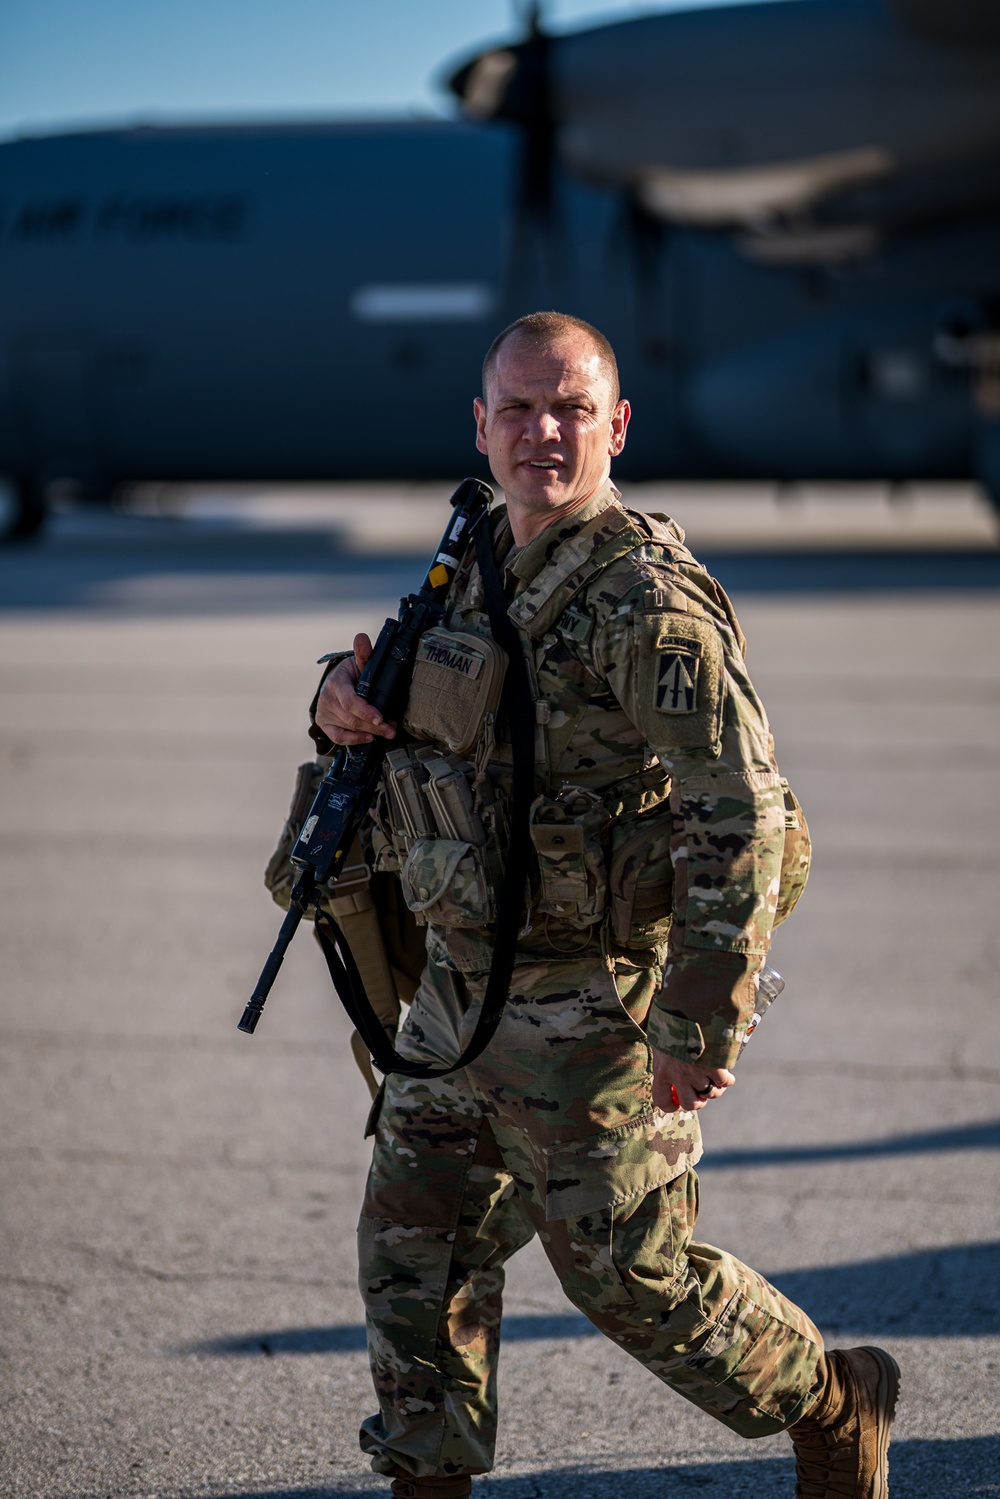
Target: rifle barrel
[{"x": 269, "y": 972}]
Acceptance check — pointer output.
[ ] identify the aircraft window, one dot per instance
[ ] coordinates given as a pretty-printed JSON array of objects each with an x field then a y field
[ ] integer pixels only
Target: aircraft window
[{"x": 427, "y": 302}]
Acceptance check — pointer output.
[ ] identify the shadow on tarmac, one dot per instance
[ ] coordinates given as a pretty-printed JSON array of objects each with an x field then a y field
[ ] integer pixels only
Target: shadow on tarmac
[
  {"x": 925, "y": 1294},
  {"x": 984, "y": 1136},
  {"x": 248, "y": 572},
  {"x": 920, "y": 1469},
  {"x": 930, "y": 1293}
]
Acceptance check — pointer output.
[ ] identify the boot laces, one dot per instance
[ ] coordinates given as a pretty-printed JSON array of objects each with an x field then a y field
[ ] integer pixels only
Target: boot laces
[{"x": 825, "y": 1467}]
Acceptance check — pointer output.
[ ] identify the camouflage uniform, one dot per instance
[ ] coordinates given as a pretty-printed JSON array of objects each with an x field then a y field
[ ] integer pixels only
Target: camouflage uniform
[{"x": 652, "y": 928}]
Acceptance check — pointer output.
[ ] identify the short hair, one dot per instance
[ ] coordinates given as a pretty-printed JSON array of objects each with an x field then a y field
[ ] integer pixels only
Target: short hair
[{"x": 546, "y": 328}]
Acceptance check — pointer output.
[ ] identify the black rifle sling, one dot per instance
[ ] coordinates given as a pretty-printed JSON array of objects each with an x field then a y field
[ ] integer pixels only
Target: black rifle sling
[{"x": 519, "y": 703}]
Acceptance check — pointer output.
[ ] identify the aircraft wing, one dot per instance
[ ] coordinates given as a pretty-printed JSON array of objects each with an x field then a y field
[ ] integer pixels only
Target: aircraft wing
[{"x": 974, "y": 23}]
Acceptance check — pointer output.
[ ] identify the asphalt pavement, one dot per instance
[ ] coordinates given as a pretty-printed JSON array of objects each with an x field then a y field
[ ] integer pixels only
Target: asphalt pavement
[{"x": 180, "y": 1317}]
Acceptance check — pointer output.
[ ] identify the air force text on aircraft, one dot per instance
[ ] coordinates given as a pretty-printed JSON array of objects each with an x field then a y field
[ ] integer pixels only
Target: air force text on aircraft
[{"x": 141, "y": 219}]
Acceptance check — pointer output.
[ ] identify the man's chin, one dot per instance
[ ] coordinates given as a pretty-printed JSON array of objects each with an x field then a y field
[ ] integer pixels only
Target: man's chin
[{"x": 544, "y": 487}]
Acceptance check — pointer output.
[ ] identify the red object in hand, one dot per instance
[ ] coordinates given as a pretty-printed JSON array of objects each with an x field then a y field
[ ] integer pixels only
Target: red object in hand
[{"x": 673, "y": 1095}]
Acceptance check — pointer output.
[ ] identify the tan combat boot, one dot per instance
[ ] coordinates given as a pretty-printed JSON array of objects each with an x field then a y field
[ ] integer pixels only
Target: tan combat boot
[
  {"x": 842, "y": 1446},
  {"x": 432, "y": 1488}
]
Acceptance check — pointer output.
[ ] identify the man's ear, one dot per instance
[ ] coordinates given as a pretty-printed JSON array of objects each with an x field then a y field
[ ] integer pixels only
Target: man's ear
[
  {"x": 479, "y": 408},
  {"x": 619, "y": 425}
]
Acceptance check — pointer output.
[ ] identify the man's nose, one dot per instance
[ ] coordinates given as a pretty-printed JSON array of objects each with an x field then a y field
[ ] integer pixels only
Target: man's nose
[{"x": 543, "y": 427}]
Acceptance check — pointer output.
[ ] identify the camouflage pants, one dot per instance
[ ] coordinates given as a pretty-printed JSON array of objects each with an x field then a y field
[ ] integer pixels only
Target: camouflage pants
[{"x": 551, "y": 1131}]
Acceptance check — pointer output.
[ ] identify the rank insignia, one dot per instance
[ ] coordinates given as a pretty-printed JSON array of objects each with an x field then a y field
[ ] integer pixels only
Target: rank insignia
[{"x": 676, "y": 685}]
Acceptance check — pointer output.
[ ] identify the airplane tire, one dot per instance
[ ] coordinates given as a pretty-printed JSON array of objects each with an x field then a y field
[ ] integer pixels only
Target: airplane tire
[{"x": 23, "y": 516}]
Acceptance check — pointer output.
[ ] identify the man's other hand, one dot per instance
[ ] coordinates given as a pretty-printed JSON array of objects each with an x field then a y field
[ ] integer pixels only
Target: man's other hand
[
  {"x": 341, "y": 714},
  {"x": 686, "y": 1085}
]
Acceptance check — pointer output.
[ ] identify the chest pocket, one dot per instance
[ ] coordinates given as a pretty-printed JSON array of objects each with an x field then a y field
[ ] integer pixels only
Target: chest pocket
[{"x": 457, "y": 681}]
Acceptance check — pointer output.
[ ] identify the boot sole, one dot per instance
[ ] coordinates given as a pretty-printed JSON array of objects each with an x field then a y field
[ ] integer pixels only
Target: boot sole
[{"x": 886, "y": 1396}]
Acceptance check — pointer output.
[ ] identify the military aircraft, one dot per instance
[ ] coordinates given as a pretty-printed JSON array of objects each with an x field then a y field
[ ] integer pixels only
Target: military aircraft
[{"x": 786, "y": 216}]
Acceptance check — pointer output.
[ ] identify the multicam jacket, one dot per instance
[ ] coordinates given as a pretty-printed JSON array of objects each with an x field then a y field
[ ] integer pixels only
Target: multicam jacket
[{"x": 658, "y": 825}]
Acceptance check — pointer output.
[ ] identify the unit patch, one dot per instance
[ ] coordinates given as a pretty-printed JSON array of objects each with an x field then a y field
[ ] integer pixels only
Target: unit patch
[{"x": 677, "y": 681}]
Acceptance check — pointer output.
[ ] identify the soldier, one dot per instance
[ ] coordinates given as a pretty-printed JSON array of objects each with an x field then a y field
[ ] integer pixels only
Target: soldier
[{"x": 657, "y": 836}]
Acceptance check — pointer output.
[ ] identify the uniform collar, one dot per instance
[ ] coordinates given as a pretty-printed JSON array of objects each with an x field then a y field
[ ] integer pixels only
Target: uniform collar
[{"x": 525, "y": 563}]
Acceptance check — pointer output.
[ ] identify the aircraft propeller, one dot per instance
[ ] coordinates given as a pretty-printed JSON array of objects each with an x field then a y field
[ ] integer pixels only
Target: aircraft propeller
[{"x": 515, "y": 83}]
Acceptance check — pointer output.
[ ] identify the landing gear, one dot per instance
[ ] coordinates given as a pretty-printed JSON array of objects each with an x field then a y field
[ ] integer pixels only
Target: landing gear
[{"x": 22, "y": 508}]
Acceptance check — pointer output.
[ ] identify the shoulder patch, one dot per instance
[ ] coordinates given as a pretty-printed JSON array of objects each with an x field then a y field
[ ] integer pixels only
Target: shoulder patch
[
  {"x": 679, "y": 679},
  {"x": 676, "y": 686}
]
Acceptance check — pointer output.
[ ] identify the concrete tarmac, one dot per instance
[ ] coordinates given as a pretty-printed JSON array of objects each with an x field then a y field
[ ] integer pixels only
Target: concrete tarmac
[{"x": 180, "y": 1316}]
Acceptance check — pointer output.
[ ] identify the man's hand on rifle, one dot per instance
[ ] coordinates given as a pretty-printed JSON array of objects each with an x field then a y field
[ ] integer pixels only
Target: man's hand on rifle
[{"x": 341, "y": 714}]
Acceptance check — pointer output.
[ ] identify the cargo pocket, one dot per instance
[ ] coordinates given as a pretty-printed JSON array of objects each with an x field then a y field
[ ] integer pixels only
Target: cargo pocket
[
  {"x": 568, "y": 833},
  {"x": 602, "y": 1171},
  {"x": 640, "y": 881},
  {"x": 444, "y": 883}
]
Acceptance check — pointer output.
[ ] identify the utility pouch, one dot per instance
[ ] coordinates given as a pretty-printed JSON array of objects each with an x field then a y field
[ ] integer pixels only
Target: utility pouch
[
  {"x": 378, "y": 928},
  {"x": 568, "y": 834},
  {"x": 457, "y": 681},
  {"x": 640, "y": 882},
  {"x": 449, "y": 793},
  {"x": 796, "y": 856},
  {"x": 408, "y": 813},
  {"x": 437, "y": 837},
  {"x": 445, "y": 883}
]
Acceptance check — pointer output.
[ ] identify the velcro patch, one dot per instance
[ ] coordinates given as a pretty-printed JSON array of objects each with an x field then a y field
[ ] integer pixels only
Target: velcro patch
[
  {"x": 577, "y": 625},
  {"x": 442, "y": 652},
  {"x": 676, "y": 684}
]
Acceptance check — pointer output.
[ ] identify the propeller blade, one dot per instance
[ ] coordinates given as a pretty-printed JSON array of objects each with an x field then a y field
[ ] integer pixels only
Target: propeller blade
[{"x": 515, "y": 84}]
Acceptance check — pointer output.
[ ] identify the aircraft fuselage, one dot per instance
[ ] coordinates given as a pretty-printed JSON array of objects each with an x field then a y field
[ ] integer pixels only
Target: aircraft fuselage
[{"x": 314, "y": 302}]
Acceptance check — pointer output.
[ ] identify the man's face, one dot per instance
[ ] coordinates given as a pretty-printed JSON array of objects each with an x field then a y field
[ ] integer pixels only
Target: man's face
[{"x": 549, "y": 426}]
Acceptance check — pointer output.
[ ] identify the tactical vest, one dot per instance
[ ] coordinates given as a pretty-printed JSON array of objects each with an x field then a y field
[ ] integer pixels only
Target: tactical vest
[{"x": 601, "y": 880}]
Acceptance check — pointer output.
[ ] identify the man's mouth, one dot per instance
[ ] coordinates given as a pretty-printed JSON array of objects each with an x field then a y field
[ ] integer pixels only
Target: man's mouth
[{"x": 549, "y": 463}]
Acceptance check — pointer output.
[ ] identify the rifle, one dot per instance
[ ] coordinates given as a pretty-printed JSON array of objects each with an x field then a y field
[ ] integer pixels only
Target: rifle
[{"x": 350, "y": 785}]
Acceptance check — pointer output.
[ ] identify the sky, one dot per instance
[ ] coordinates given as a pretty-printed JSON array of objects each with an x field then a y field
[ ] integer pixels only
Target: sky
[{"x": 69, "y": 63}]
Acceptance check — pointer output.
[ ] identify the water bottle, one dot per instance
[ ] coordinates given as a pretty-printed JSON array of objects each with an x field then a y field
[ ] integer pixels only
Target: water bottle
[{"x": 769, "y": 986}]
